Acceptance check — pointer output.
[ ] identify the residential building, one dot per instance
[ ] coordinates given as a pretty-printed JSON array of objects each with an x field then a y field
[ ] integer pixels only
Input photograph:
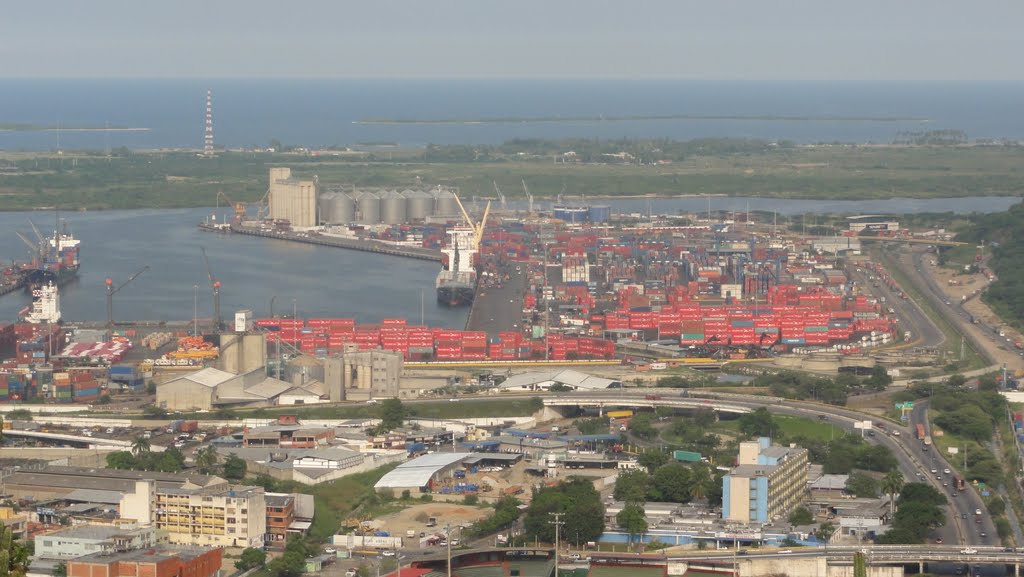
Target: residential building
[
  {"x": 230, "y": 516},
  {"x": 769, "y": 481},
  {"x": 87, "y": 539},
  {"x": 287, "y": 436},
  {"x": 148, "y": 563},
  {"x": 280, "y": 517}
]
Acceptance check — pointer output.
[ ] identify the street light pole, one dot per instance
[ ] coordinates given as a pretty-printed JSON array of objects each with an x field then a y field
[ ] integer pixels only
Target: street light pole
[
  {"x": 195, "y": 310},
  {"x": 558, "y": 525}
]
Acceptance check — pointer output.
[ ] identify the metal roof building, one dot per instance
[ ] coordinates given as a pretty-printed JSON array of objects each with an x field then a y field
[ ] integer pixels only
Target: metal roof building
[
  {"x": 419, "y": 473},
  {"x": 545, "y": 379}
]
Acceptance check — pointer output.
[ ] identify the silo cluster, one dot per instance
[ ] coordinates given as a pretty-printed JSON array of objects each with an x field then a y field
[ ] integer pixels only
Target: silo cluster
[{"x": 385, "y": 206}]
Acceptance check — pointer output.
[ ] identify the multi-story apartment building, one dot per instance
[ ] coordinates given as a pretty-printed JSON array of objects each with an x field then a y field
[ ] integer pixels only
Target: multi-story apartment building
[
  {"x": 231, "y": 516},
  {"x": 768, "y": 482},
  {"x": 280, "y": 517}
]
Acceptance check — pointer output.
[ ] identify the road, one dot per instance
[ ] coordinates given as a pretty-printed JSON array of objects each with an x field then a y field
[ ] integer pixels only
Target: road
[
  {"x": 911, "y": 317},
  {"x": 499, "y": 309}
]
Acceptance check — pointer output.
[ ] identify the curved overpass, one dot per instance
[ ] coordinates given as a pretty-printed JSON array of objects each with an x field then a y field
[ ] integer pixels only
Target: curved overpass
[{"x": 69, "y": 439}]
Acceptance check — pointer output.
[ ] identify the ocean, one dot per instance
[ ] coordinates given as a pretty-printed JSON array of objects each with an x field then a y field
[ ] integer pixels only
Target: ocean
[{"x": 324, "y": 112}]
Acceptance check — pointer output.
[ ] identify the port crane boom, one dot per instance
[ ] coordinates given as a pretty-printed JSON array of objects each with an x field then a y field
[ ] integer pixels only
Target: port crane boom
[
  {"x": 215, "y": 286},
  {"x": 111, "y": 291}
]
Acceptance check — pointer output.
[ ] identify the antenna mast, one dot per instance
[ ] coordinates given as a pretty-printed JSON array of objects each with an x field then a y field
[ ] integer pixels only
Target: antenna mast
[{"x": 208, "y": 133}]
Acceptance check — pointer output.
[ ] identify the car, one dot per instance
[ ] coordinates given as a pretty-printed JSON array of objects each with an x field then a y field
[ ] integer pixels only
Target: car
[
  {"x": 938, "y": 477},
  {"x": 963, "y": 515},
  {"x": 330, "y": 550},
  {"x": 896, "y": 433},
  {"x": 977, "y": 520},
  {"x": 575, "y": 556},
  {"x": 351, "y": 573},
  {"x": 938, "y": 540},
  {"x": 454, "y": 400},
  {"x": 934, "y": 470},
  {"x": 968, "y": 551},
  {"x": 388, "y": 553},
  {"x": 983, "y": 534},
  {"x": 785, "y": 551},
  {"x": 945, "y": 484},
  {"x": 371, "y": 402},
  {"x": 977, "y": 511},
  {"x": 946, "y": 471}
]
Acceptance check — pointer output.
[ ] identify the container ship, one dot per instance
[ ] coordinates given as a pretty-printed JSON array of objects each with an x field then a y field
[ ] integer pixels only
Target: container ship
[
  {"x": 56, "y": 261},
  {"x": 456, "y": 286}
]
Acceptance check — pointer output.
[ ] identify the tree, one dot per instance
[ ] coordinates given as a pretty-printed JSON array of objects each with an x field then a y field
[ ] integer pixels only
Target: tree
[
  {"x": 61, "y": 569},
  {"x": 20, "y": 415},
  {"x": 861, "y": 485},
  {"x": 800, "y": 516},
  {"x": 206, "y": 459},
  {"x": 651, "y": 460},
  {"x": 14, "y": 559},
  {"x": 825, "y": 531},
  {"x": 892, "y": 484},
  {"x": 593, "y": 425},
  {"x": 641, "y": 426},
  {"x": 140, "y": 445},
  {"x": 154, "y": 412},
  {"x": 392, "y": 414},
  {"x": 701, "y": 482},
  {"x": 234, "y": 467},
  {"x": 291, "y": 564},
  {"x": 580, "y": 503},
  {"x": 757, "y": 423},
  {"x": 633, "y": 520},
  {"x": 250, "y": 559},
  {"x": 120, "y": 460},
  {"x": 671, "y": 482},
  {"x": 632, "y": 486}
]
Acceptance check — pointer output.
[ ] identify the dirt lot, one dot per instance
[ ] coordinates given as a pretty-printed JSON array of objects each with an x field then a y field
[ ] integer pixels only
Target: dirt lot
[{"x": 415, "y": 518}]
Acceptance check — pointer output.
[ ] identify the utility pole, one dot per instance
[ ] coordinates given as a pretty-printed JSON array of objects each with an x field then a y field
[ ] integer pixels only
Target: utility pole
[
  {"x": 448, "y": 541},
  {"x": 558, "y": 526}
]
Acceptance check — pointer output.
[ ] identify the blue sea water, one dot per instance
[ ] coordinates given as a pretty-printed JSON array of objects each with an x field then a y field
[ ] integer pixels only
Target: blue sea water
[{"x": 321, "y": 112}]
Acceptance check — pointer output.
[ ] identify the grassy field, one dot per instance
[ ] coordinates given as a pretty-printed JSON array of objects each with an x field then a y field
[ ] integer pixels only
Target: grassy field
[
  {"x": 164, "y": 180},
  {"x": 788, "y": 426},
  {"x": 517, "y": 407}
]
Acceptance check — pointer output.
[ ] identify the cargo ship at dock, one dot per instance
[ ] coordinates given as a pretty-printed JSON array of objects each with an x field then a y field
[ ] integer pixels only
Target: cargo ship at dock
[
  {"x": 56, "y": 262},
  {"x": 456, "y": 285}
]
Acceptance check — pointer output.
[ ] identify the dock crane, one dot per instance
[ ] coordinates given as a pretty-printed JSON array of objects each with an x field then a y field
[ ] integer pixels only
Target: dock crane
[
  {"x": 215, "y": 286},
  {"x": 501, "y": 197},
  {"x": 529, "y": 198},
  {"x": 111, "y": 291},
  {"x": 478, "y": 229}
]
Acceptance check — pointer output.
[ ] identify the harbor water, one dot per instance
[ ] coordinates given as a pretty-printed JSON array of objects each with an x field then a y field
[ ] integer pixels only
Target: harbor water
[{"x": 323, "y": 281}]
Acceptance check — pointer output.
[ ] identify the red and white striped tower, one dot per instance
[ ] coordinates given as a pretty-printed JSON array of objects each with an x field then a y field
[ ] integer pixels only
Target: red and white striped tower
[{"x": 208, "y": 134}]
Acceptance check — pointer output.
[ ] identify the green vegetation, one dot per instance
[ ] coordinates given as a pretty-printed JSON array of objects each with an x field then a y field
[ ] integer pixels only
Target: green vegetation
[
  {"x": 861, "y": 485},
  {"x": 169, "y": 461},
  {"x": 514, "y": 407},
  {"x": 334, "y": 500},
  {"x": 234, "y": 468},
  {"x": 579, "y": 503},
  {"x": 93, "y": 180},
  {"x": 919, "y": 509},
  {"x": 592, "y": 426},
  {"x": 392, "y": 415},
  {"x": 250, "y": 559},
  {"x": 14, "y": 554},
  {"x": 670, "y": 482},
  {"x": 506, "y": 512},
  {"x": 632, "y": 519},
  {"x": 801, "y": 516},
  {"x": 1003, "y": 235}
]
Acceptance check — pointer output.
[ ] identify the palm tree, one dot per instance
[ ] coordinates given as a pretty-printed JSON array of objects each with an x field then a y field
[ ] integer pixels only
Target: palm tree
[
  {"x": 206, "y": 459},
  {"x": 892, "y": 484},
  {"x": 140, "y": 445},
  {"x": 701, "y": 482}
]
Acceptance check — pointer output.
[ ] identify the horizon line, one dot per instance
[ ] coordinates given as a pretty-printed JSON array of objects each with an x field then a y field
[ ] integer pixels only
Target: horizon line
[{"x": 525, "y": 77}]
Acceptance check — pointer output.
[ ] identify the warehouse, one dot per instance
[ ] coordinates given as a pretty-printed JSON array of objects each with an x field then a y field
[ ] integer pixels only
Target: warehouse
[
  {"x": 59, "y": 482},
  {"x": 211, "y": 388},
  {"x": 422, "y": 473},
  {"x": 544, "y": 380}
]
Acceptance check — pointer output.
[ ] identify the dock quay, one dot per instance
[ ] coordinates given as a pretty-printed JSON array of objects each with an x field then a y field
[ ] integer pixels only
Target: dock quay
[
  {"x": 498, "y": 308},
  {"x": 338, "y": 242}
]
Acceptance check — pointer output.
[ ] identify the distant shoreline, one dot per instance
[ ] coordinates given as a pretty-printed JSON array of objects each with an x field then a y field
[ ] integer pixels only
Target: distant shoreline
[
  {"x": 602, "y": 118},
  {"x": 35, "y": 128}
]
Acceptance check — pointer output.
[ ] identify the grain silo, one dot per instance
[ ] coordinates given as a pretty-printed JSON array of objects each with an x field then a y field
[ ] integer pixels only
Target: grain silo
[
  {"x": 418, "y": 204},
  {"x": 368, "y": 207},
  {"x": 392, "y": 207},
  {"x": 445, "y": 203},
  {"x": 336, "y": 207}
]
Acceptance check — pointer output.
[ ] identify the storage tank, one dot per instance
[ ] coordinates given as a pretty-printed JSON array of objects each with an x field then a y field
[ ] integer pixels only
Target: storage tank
[
  {"x": 368, "y": 205},
  {"x": 445, "y": 203},
  {"x": 572, "y": 214},
  {"x": 418, "y": 204},
  {"x": 392, "y": 207},
  {"x": 600, "y": 213},
  {"x": 336, "y": 208}
]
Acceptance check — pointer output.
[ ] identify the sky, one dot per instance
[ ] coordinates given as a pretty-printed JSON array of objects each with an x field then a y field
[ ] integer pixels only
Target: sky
[{"x": 877, "y": 40}]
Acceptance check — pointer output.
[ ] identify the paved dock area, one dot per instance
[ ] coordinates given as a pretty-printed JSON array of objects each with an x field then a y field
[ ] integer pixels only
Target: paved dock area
[{"x": 499, "y": 309}]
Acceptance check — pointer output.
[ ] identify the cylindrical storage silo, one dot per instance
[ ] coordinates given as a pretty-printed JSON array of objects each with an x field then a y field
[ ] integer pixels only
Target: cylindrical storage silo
[
  {"x": 368, "y": 205},
  {"x": 325, "y": 203},
  {"x": 392, "y": 207},
  {"x": 445, "y": 203},
  {"x": 418, "y": 204}
]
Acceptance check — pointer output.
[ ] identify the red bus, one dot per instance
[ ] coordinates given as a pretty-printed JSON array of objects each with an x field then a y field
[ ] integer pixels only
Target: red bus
[{"x": 920, "y": 432}]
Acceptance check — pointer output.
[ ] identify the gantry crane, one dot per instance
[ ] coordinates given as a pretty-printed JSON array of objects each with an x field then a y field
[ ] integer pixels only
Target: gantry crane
[
  {"x": 215, "y": 286},
  {"x": 110, "y": 294},
  {"x": 529, "y": 198},
  {"x": 478, "y": 229}
]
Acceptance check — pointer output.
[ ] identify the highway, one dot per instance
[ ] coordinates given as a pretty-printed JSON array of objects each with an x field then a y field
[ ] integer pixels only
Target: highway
[{"x": 911, "y": 318}]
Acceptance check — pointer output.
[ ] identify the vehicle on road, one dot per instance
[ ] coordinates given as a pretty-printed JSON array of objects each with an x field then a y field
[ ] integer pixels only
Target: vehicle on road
[
  {"x": 351, "y": 573},
  {"x": 946, "y": 471},
  {"x": 330, "y": 550},
  {"x": 968, "y": 551}
]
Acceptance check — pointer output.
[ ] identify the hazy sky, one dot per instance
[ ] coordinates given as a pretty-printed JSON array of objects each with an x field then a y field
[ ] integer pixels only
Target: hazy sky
[{"x": 710, "y": 39}]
